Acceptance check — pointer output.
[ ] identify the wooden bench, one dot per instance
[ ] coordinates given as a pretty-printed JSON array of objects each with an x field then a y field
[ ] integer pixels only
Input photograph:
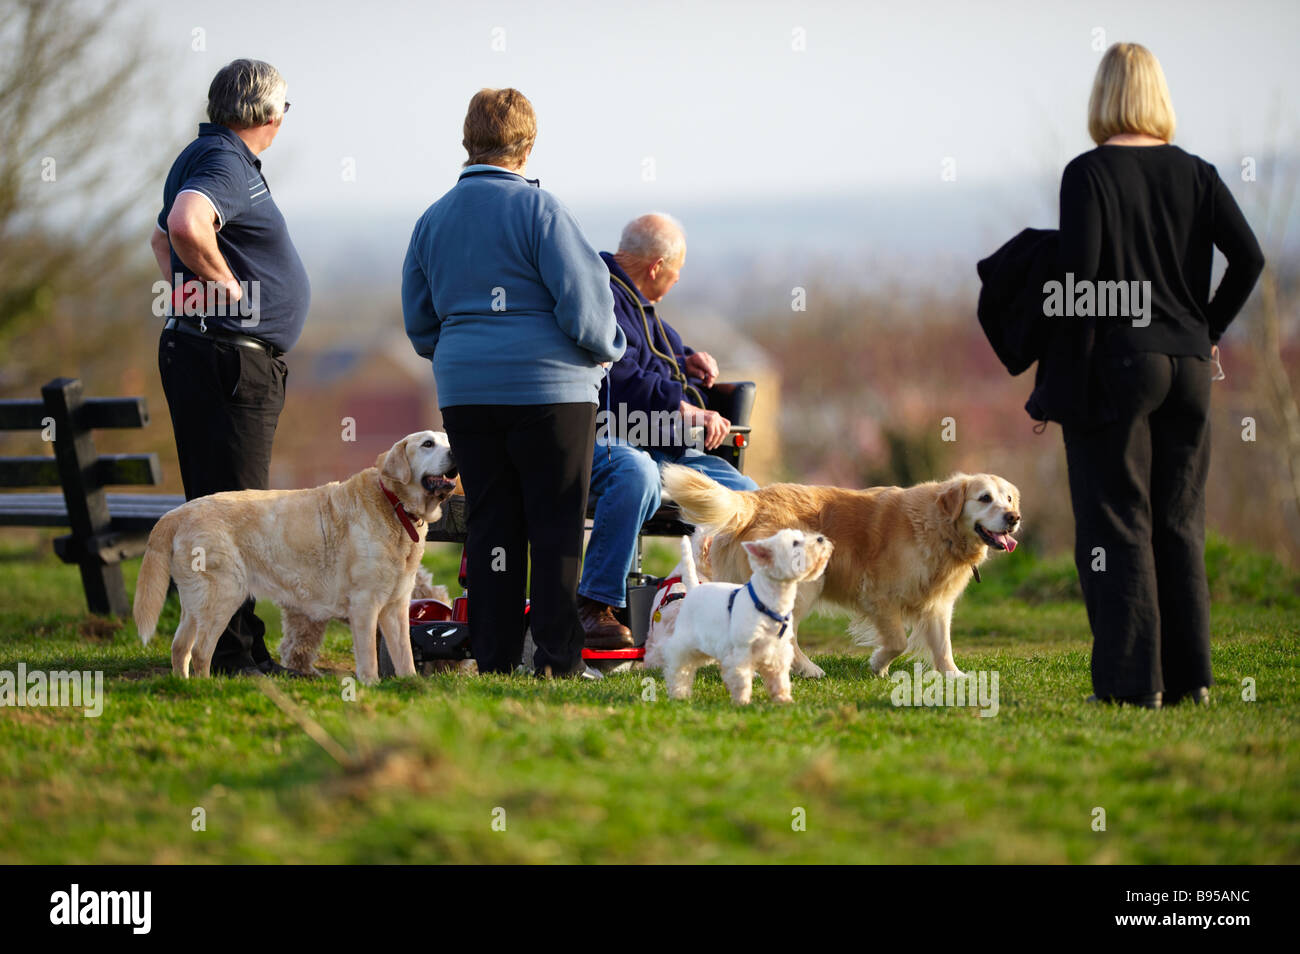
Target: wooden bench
[
  {"x": 453, "y": 528},
  {"x": 664, "y": 522},
  {"x": 733, "y": 399},
  {"x": 106, "y": 528}
]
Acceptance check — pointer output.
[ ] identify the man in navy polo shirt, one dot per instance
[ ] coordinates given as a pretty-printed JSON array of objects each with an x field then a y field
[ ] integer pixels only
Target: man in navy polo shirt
[{"x": 239, "y": 298}]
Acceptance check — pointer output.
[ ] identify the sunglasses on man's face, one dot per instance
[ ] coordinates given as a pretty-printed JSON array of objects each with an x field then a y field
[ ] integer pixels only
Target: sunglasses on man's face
[{"x": 287, "y": 104}]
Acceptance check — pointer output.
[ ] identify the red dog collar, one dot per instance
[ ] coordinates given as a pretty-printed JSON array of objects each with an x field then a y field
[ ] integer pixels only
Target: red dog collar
[{"x": 398, "y": 509}]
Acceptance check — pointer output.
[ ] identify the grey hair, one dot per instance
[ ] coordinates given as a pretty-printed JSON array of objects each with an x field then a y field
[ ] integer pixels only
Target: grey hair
[
  {"x": 653, "y": 236},
  {"x": 246, "y": 93}
]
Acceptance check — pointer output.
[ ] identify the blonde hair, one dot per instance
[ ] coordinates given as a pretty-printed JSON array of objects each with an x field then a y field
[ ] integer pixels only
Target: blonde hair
[
  {"x": 1129, "y": 95},
  {"x": 500, "y": 127}
]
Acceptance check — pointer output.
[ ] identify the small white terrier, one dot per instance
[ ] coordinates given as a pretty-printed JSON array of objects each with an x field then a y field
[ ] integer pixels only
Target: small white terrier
[{"x": 745, "y": 628}]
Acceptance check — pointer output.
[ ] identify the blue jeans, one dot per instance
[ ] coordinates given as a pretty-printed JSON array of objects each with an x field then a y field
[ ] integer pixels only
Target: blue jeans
[
  {"x": 625, "y": 486},
  {"x": 707, "y": 464}
]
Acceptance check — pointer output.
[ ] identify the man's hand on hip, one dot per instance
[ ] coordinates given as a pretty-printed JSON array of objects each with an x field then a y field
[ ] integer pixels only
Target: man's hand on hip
[{"x": 192, "y": 229}]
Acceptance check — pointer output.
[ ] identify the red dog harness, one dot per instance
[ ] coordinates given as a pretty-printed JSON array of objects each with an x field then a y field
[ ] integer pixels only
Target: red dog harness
[
  {"x": 398, "y": 509},
  {"x": 668, "y": 584}
]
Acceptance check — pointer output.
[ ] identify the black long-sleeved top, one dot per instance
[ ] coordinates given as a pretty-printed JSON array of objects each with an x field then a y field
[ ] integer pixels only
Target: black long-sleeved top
[{"x": 1155, "y": 213}]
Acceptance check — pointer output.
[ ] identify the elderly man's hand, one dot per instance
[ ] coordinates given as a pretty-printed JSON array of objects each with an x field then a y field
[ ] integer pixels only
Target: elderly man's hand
[
  {"x": 701, "y": 365},
  {"x": 715, "y": 425}
]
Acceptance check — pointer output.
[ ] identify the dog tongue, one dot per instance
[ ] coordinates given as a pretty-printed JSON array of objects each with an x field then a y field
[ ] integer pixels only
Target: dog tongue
[{"x": 1007, "y": 540}]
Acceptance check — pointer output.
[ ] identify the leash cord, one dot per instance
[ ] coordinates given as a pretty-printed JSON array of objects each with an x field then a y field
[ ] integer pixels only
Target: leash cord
[{"x": 677, "y": 374}]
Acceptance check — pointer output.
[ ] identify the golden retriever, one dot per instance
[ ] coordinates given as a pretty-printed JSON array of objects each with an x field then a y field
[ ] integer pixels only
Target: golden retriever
[
  {"x": 902, "y": 555},
  {"x": 340, "y": 551}
]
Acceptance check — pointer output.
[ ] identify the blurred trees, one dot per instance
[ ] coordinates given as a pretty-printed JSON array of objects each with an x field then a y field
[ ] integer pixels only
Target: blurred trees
[
  {"x": 71, "y": 75},
  {"x": 868, "y": 380},
  {"x": 1276, "y": 387},
  {"x": 1273, "y": 324}
]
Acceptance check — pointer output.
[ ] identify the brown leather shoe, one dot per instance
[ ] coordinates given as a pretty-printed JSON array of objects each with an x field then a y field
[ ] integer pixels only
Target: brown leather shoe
[{"x": 602, "y": 630}]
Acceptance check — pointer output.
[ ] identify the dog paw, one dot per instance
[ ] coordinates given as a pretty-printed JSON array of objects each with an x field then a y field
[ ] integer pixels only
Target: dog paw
[
  {"x": 812, "y": 671},
  {"x": 880, "y": 661}
]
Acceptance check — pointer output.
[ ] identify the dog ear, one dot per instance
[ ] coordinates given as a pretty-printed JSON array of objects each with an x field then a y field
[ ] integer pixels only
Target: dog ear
[
  {"x": 395, "y": 466},
  {"x": 759, "y": 552},
  {"x": 952, "y": 500}
]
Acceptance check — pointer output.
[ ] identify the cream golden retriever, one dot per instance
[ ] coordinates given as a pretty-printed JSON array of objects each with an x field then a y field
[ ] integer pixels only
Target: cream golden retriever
[
  {"x": 341, "y": 551},
  {"x": 903, "y": 555}
]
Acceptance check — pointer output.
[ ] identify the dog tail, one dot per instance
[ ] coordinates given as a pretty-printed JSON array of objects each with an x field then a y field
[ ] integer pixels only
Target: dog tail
[
  {"x": 705, "y": 502},
  {"x": 155, "y": 576},
  {"x": 689, "y": 578}
]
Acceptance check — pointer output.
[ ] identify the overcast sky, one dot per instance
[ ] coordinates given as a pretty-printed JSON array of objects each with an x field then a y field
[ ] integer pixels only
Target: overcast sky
[
  {"x": 716, "y": 93},
  {"x": 781, "y": 133}
]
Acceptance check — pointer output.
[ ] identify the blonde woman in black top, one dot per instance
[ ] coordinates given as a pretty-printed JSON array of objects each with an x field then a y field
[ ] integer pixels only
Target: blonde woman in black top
[{"x": 1143, "y": 213}]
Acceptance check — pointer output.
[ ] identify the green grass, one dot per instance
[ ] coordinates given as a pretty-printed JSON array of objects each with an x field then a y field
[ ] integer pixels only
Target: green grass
[{"x": 594, "y": 772}]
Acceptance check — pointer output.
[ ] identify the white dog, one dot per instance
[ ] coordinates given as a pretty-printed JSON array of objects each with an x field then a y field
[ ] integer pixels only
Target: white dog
[{"x": 745, "y": 628}]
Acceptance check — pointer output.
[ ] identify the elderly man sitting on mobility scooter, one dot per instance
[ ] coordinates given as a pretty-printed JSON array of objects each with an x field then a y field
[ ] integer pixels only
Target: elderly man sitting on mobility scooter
[{"x": 651, "y": 400}]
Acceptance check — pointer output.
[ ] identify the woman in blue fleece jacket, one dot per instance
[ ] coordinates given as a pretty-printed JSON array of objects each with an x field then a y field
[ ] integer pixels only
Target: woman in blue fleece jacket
[{"x": 511, "y": 304}]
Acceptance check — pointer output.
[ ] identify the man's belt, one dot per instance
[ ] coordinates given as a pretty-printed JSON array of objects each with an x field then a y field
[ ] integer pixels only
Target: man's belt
[{"x": 218, "y": 334}]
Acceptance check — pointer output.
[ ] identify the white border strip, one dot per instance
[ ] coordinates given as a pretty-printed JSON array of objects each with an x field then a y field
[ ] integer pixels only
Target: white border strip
[{"x": 221, "y": 219}]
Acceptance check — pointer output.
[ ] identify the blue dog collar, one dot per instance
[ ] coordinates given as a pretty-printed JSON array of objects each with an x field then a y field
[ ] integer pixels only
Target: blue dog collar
[{"x": 758, "y": 605}]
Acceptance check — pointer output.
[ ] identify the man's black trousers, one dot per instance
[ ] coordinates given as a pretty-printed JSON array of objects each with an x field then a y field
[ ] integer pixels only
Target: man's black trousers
[
  {"x": 526, "y": 471},
  {"x": 225, "y": 401},
  {"x": 1138, "y": 488}
]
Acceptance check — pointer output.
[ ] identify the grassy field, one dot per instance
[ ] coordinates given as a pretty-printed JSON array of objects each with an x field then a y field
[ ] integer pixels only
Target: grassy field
[{"x": 432, "y": 770}]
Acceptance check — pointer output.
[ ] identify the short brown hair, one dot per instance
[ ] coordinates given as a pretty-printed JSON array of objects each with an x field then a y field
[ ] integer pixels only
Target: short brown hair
[
  {"x": 500, "y": 127},
  {"x": 1129, "y": 95}
]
